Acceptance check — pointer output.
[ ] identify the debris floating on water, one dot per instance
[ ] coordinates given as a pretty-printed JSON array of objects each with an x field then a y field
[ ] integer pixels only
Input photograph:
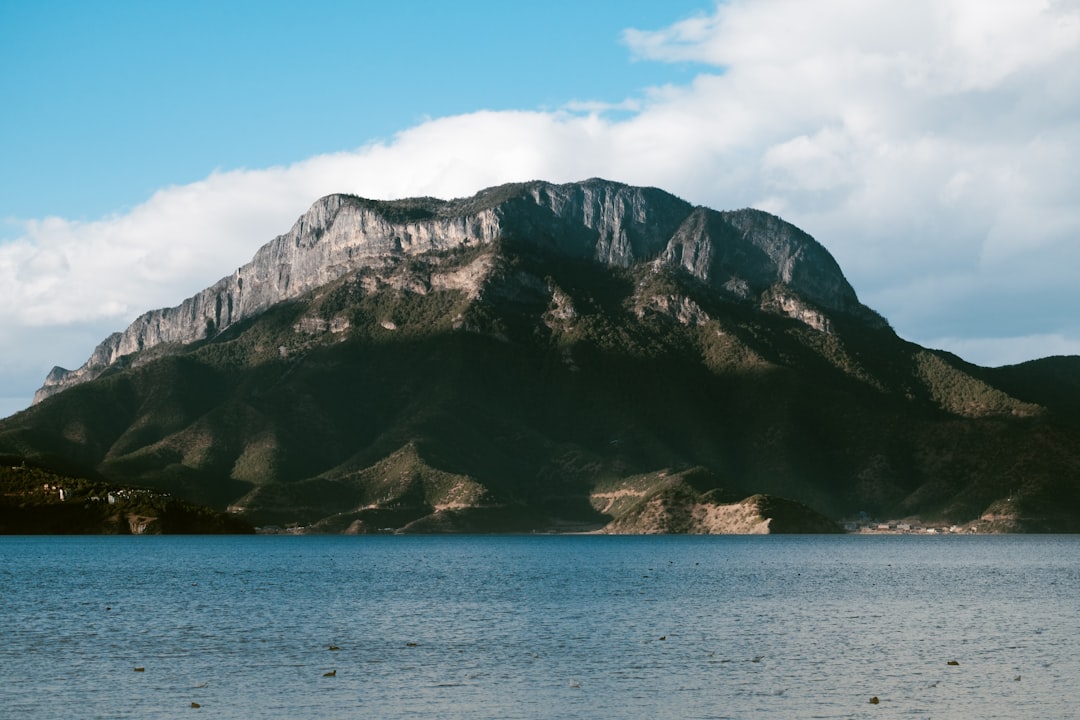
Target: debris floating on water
[{"x": 952, "y": 662}]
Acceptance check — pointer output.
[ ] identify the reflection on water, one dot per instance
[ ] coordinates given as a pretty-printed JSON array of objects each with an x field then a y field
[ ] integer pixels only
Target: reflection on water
[{"x": 545, "y": 626}]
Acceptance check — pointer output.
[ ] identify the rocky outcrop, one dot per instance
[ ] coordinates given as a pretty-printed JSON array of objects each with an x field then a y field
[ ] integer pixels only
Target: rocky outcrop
[
  {"x": 754, "y": 257},
  {"x": 337, "y": 235},
  {"x": 679, "y": 510}
]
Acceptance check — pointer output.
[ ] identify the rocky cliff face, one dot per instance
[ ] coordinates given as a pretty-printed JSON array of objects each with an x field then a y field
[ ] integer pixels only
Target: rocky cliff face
[{"x": 751, "y": 255}]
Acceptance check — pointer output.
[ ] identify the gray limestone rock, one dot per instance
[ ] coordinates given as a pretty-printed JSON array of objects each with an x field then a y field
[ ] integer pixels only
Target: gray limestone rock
[{"x": 752, "y": 255}]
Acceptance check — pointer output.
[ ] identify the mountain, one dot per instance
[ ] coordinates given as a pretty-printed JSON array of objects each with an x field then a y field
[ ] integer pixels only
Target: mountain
[
  {"x": 616, "y": 225},
  {"x": 544, "y": 357}
]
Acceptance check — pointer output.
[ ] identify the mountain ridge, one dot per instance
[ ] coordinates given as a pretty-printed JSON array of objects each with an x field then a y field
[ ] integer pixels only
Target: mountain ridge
[
  {"x": 612, "y": 223},
  {"x": 588, "y": 356}
]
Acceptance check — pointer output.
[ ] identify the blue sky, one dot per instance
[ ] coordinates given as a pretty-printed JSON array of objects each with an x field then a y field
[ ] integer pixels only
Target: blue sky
[
  {"x": 147, "y": 149},
  {"x": 109, "y": 101}
]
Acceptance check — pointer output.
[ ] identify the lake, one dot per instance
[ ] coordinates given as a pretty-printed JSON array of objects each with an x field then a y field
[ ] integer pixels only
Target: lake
[{"x": 540, "y": 627}]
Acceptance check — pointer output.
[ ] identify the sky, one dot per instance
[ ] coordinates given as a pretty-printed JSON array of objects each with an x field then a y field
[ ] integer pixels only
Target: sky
[{"x": 932, "y": 146}]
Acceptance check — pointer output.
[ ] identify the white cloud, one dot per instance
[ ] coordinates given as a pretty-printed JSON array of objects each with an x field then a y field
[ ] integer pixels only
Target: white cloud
[{"x": 931, "y": 145}]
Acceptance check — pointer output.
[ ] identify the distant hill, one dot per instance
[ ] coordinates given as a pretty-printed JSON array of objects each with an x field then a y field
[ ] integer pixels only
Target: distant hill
[
  {"x": 37, "y": 501},
  {"x": 556, "y": 357}
]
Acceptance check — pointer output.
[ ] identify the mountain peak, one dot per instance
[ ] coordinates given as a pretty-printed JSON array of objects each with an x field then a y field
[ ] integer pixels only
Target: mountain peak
[{"x": 753, "y": 256}]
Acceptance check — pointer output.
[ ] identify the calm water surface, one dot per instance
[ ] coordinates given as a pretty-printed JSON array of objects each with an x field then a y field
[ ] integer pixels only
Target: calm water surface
[{"x": 540, "y": 627}]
